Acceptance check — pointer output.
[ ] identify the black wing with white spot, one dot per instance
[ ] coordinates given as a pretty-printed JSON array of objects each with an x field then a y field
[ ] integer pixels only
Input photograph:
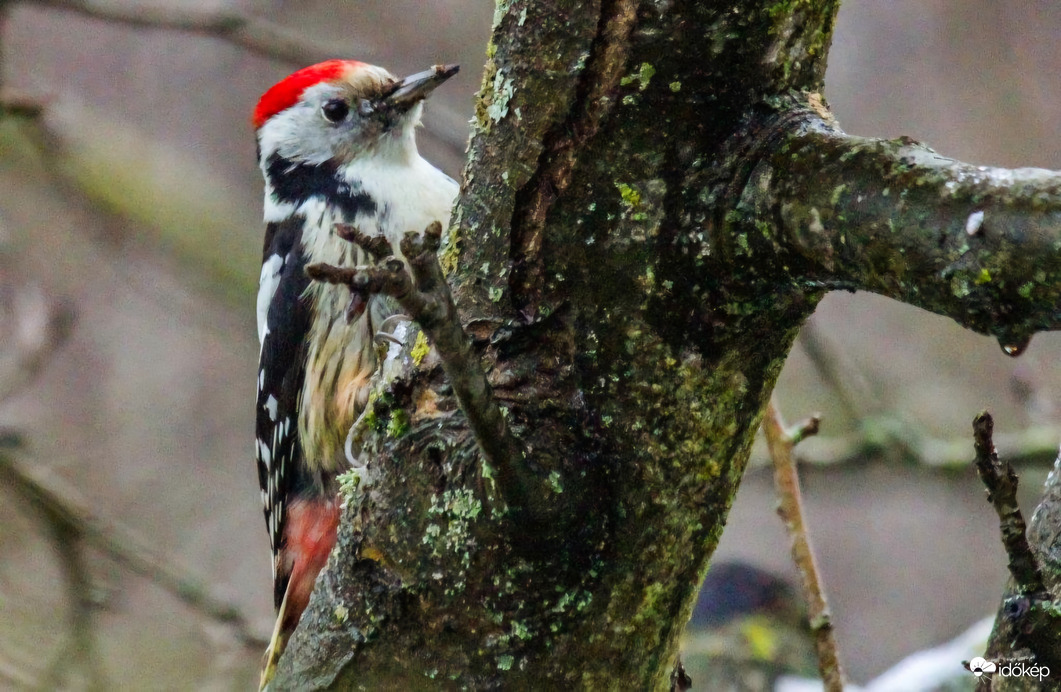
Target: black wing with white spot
[{"x": 283, "y": 323}]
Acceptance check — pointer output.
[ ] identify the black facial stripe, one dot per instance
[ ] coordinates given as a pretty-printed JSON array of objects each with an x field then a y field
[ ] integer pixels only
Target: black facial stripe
[{"x": 294, "y": 183}]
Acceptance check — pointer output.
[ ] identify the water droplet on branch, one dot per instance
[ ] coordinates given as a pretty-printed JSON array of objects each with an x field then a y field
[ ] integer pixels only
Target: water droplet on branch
[{"x": 1014, "y": 346}]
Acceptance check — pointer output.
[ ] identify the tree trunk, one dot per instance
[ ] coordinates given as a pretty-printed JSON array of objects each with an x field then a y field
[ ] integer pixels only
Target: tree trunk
[{"x": 655, "y": 200}]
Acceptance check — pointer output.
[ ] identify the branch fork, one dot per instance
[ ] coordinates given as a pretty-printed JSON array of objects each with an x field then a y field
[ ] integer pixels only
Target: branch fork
[{"x": 419, "y": 286}]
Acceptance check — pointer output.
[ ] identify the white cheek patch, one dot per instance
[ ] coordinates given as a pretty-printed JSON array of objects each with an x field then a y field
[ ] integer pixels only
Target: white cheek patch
[
  {"x": 300, "y": 132},
  {"x": 270, "y": 279}
]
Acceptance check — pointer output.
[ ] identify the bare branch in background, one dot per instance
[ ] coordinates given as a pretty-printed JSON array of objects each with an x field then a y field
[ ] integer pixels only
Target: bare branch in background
[
  {"x": 837, "y": 371},
  {"x": 878, "y": 438},
  {"x": 790, "y": 508},
  {"x": 67, "y": 508},
  {"x": 880, "y": 430},
  {"x": 884, "y": 433},
  {"x": 78, "y": 653},
  {"x": 255, "y": 34},
  {"x": 34, "y": 327}
]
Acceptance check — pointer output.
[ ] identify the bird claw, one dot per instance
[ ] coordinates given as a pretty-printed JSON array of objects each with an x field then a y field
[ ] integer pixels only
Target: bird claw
[
  {"x": 376, "y": 246},
  {"x": 356, "y": 307},
  {"x": 418, "y": 284},
  {"x": 388, "y": 337},
  {"x": 353, "y": 437},
  {"x": 391, "y": 322}
]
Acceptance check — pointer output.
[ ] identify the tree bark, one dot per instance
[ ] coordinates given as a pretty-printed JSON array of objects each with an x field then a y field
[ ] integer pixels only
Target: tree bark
[{"x": 656, "y": 198}]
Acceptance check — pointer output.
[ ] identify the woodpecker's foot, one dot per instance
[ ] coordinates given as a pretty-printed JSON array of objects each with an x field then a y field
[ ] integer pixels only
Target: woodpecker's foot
[
  {"x": 423, "y": 293},
  {"x": 377, "y": 246}
]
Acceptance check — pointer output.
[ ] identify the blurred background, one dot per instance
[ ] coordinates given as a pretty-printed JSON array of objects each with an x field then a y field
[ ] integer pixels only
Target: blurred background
[{"x": 130, "y": 239}]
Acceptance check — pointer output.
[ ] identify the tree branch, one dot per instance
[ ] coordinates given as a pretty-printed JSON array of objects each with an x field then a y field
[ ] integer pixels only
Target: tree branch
[
  {"x": 790, "y": 508},
  {"x": 977, "y": 244},
  {"x": 884, "y": 435},
  {"x": 79, "y": 650},
  {"x": 256, "y": 35},
  {"x": 426, "y": 297}
]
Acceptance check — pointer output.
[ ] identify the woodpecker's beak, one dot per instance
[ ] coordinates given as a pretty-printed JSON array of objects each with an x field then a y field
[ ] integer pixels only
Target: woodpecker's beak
[{"x": 415, "y": 88}]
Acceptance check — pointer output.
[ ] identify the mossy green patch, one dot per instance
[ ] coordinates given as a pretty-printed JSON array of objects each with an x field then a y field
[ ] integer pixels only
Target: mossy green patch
[
  {"x": 643, "y": 76},
  {"x": 398, "y": 424},
  {"x": 420, "y": 348}
]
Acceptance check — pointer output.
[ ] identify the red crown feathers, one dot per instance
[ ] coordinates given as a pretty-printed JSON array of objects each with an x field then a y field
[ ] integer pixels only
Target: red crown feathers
[{"x": 287, "y": 91}]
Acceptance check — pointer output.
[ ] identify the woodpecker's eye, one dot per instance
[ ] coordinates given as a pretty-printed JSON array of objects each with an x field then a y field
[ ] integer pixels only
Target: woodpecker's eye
[{"x": 335, "y": 111}]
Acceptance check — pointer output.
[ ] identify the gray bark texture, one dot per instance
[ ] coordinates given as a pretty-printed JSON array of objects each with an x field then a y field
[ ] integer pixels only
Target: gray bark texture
[{"x": 656, "y": 197}]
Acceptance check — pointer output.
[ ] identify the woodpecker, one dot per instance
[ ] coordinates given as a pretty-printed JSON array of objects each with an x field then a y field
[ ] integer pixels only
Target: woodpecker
[{"x": 336, "y": 144}]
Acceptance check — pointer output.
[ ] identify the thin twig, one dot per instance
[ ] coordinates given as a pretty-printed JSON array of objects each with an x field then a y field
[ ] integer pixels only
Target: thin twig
[
  {"x": 780, "y": 442},
  {"x": 1034, "y": 445},
  {"x": 77, "y": 652},
  {"x": 1028, "y": 618},
  {"x": 426, "y": 297},
  {"x": 255, "y": 34},
  {"x": 851, "y": 386},
  {"x": 1001, "y": 482}
]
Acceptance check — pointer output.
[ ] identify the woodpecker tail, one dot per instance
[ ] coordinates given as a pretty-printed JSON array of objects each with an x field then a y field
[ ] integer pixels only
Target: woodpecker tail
[
  {"x": 276, "y": 647},
  {"x": 309, "y": 535}
]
